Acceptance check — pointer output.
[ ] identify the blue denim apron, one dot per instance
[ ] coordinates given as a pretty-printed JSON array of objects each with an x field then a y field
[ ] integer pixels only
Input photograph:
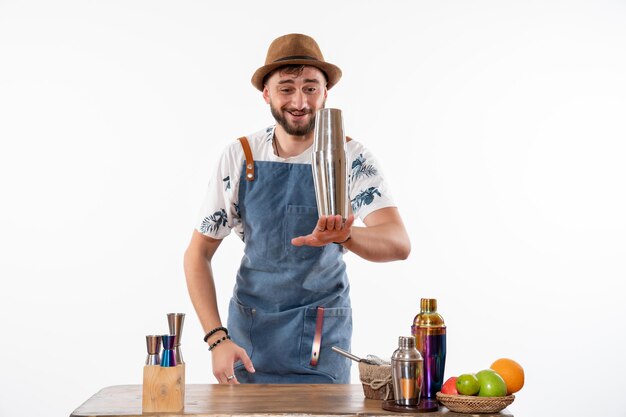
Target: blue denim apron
[{"x": 272, "y": 314}]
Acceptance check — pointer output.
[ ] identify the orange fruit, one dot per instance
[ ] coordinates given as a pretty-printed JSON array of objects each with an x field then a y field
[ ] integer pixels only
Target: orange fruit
[{"x": 512, "y": 373}]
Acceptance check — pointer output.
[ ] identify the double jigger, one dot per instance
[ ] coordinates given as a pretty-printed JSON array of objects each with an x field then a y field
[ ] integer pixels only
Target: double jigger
[{"x": 171, "y": 355}]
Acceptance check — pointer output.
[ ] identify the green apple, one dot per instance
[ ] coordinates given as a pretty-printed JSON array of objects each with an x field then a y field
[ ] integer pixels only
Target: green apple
[
  {"x": 467, "y": 384},
  {"x": 491, "y": 384}
]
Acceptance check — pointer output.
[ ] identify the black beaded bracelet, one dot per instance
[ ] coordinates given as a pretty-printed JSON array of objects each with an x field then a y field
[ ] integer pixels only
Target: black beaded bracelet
[
  {"x": 217, "y": 342},
  {"x": 212, "y": 332},
  {"x": 341, "y": 243}
]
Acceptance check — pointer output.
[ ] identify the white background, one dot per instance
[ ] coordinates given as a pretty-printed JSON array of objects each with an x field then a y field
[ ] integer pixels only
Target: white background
[{"x": 499, "y": 124}]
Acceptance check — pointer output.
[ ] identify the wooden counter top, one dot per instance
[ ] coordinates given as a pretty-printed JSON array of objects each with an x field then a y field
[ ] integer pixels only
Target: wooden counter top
[{"x": 212, "y": 400}]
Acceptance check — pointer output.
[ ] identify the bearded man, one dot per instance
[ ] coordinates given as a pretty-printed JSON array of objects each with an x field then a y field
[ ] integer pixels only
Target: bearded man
[{"x": 291, "y": 300}]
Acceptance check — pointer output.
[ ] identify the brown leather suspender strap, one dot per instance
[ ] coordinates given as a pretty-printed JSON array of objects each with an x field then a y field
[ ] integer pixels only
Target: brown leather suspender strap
[{"x": 249, "y": 160}]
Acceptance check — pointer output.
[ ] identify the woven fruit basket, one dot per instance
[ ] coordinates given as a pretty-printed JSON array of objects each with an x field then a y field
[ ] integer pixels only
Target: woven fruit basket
[{"x": 472, "y": 404}]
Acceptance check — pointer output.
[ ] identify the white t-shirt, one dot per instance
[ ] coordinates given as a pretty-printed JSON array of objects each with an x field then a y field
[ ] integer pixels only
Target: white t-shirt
[{"x": 220, "y": 210}]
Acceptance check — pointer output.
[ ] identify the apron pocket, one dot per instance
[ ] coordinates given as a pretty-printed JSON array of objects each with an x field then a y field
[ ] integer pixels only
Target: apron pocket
[
  {"x": 240, "y": 320},
  {"x": 300, "y": 221},
  {"x": 336, "y": 331}
]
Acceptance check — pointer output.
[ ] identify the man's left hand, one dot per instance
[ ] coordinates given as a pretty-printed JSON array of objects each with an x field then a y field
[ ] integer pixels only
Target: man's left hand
[{"x": 329, "y": 229}]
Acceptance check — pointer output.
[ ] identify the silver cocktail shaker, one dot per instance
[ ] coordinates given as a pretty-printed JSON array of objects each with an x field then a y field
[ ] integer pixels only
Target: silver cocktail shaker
[
  {"x": 330, "y": 168},
  {"x": 406, "y": 372}
]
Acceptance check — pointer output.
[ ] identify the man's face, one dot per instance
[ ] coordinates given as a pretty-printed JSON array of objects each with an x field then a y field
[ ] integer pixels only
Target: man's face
[{"x": 294, "y": 99}]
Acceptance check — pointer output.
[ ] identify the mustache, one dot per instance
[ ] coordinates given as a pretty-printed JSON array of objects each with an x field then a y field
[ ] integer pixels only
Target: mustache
[{"x": 301, "y": 111}]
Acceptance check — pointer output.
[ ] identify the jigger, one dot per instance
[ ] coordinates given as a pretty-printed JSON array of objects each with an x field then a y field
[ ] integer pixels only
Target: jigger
[
  {"x": 329, "y": 165},
  {"x": 153, "y": 343},
  {"x": 175, "y": 322},
  {"x": 169, "y": 357}
]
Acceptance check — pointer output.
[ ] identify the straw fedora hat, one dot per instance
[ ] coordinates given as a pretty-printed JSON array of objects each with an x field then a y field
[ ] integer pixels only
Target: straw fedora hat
[{"x": 295, "y": 49}]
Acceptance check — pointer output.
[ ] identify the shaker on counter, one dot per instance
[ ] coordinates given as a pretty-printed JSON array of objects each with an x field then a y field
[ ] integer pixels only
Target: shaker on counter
[
  {"x": 429, "y": 331},
  {"x": 406, "y": 373},
  {"x": 329, "y": 165}
]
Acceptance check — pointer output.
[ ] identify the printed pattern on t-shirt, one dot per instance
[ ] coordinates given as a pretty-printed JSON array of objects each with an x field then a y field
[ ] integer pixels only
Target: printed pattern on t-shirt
[{"x": 219, "y": 213}]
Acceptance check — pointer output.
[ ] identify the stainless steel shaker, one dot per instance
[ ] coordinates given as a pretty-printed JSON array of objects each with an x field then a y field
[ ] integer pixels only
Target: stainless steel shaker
[
  {"x": 175, "y": 323},
  {"x": 406, "y": 372},
  {"x": 330, "y": 168}
]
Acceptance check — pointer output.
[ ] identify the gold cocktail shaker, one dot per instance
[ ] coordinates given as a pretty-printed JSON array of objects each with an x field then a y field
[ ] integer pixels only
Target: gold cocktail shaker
[{"x": 429, "y": 331}]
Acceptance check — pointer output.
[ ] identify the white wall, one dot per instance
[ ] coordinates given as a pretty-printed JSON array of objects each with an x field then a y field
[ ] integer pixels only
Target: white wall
[{"x": 500, "y": 126}]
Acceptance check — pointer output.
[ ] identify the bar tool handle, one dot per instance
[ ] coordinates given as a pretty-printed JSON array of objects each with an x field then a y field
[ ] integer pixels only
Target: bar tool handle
[{"x": 346, "y": 354}]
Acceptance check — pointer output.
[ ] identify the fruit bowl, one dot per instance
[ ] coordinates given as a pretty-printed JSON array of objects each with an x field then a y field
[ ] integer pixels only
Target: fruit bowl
[{"x": 473, "y": 404}]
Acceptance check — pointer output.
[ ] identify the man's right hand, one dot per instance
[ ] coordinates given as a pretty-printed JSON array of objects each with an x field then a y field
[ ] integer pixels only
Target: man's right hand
[{"x": 223, "y": 358}]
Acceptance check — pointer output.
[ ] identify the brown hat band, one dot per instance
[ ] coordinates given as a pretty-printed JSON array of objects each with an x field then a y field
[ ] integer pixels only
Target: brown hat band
[{"x": 289, "y": 58}]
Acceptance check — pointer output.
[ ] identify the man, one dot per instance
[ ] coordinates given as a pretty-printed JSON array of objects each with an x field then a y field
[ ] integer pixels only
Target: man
[{"x": 291, "y": 303}]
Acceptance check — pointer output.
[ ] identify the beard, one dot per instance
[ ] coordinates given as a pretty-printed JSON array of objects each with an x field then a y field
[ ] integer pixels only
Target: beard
[{"x": 295, "y": 130}]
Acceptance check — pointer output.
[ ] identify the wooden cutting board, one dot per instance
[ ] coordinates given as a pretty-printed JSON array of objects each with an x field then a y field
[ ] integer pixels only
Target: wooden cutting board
[{"x": 212, "y": 400}]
